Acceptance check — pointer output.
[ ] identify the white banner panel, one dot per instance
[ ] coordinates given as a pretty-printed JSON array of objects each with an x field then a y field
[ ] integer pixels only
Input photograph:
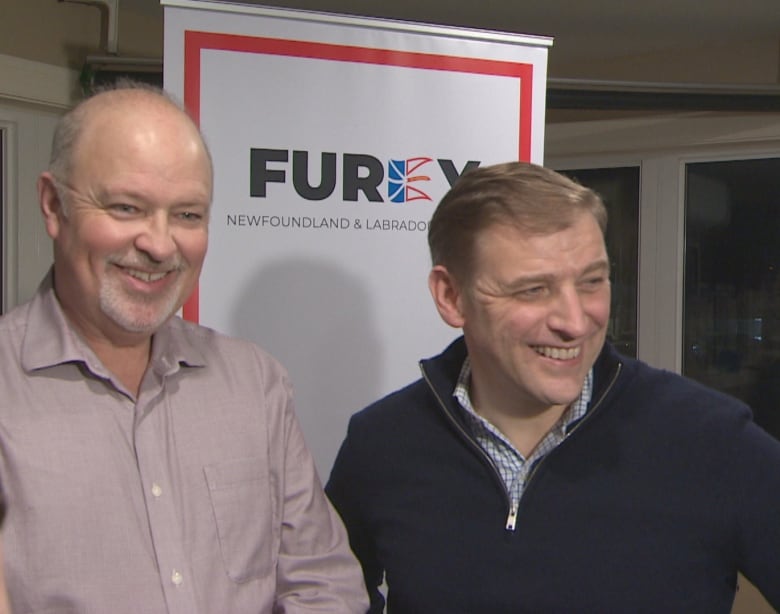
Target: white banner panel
[{"x": 333, "y": 140}]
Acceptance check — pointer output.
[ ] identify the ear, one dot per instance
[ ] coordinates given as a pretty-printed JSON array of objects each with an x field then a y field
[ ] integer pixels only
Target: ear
[
  {"x": 447, "y": 296},
  {"x": 50, "y": 203}
]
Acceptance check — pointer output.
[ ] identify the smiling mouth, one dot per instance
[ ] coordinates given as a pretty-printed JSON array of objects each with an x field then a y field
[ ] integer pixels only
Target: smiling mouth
[
  {"x": 557, "y": 353},
  {"x": 145, "y": 275}
]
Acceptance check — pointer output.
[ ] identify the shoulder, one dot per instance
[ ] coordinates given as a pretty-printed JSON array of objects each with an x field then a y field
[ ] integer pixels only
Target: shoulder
[
  {"x": 14, "y": 327},
  {"x": 37, "y": 312},
  {"x": 382, "y": 442},
  {"x": 229, "y": 357},
  {"x": 677, "y": 402},
  {"x": 416, "y": 400},
  {"x": 240, "y": 380},
  {"x": 397, "y": 407},
  {"x": 675, "y": 386},
  {"x": 15, "y": 320},
  {"x": 213, "y": 342}
]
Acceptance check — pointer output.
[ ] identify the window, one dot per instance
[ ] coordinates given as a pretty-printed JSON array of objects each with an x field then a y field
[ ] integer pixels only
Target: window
[
  {"x": 731, "y": 325},
  {"x": 619, "y": 188}
]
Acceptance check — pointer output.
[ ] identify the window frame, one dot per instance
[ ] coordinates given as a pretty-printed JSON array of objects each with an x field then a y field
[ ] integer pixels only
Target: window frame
[{"x": 661, "y": 146}]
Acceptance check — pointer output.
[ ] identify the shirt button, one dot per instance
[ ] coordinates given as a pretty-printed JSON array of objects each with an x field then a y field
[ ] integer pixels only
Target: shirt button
[
  {"x": 156, "y": 490},
  {"x": 177, "y": 578}
]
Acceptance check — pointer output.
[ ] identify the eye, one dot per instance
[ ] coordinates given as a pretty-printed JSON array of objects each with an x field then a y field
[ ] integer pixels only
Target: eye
[
  {"x": 190, "y": 217},
  {"x": 123, "y": 210},
  {"x": 530, "y": 293},
  {"x": 594, "y": 282}
]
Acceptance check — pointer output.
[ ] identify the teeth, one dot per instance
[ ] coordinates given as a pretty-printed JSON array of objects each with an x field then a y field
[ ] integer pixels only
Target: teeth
[
  {"x": 144, "y": 276},
  {"x": 557, "y": 353}
]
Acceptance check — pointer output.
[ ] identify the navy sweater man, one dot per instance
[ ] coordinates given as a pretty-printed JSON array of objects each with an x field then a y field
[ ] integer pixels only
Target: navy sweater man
[{"x": 533, "y": 469}]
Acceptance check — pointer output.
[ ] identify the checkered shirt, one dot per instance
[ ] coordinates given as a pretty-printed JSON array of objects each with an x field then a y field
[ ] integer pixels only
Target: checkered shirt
[{"x": 513, "y": 468}]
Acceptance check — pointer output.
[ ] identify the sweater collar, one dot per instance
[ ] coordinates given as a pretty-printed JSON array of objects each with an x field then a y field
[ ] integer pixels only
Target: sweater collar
[{"x": 442, "y": 371}]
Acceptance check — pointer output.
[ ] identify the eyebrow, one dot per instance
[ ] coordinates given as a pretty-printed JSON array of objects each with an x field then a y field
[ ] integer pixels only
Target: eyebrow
[
  {"x": 597, "y": 266},
  {"x": 112, "y": 195}
]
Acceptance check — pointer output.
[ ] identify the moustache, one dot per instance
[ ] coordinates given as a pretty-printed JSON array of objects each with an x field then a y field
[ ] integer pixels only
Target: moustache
[{"x": 145, "y": 263}]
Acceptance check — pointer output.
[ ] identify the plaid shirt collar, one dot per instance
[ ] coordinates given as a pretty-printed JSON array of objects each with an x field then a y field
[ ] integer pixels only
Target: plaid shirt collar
[{"x": 482, "y": 428}]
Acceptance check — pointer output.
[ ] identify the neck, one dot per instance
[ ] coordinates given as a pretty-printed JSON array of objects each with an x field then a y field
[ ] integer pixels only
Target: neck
[
  {"x": 524, "y": 431},
  {"x": 125, "y": 354},
  {"x": 525, "y": 424}
]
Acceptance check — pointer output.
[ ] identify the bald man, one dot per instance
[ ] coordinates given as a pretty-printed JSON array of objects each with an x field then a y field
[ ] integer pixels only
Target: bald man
[{"x": 152, "y": 465}]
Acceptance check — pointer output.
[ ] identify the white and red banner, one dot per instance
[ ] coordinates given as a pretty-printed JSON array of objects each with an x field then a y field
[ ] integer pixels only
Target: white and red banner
[{"x": 333, "y": 140}]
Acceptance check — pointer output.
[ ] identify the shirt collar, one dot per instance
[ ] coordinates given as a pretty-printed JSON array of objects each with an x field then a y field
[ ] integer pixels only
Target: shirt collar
[
  {"x": 573, "y": 413},
  {"x": 50, "y": 340}
]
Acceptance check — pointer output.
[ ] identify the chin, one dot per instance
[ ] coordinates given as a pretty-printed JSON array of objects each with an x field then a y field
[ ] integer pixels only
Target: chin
[{"x": 565, "y": 398}]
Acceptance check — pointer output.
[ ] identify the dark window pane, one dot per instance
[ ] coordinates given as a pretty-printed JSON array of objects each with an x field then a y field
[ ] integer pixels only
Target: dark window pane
[
  {"x": 619, "y": 188},
  {"x": 731, "y": 325}
]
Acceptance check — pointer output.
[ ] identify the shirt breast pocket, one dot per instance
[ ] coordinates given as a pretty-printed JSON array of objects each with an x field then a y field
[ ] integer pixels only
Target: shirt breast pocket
[{"x": 243, "y": 499}]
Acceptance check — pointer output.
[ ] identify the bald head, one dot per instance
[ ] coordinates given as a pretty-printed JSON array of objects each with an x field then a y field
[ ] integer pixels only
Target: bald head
[{"x": 124, "y": 97}]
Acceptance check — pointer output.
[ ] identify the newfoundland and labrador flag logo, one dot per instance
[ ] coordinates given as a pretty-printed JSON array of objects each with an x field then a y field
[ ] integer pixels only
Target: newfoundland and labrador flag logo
[{"x": 403, "y": 177}]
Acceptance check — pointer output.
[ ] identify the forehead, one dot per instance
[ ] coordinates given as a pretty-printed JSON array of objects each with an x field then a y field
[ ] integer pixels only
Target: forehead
[
  {"x": 501, "y": 247},
  {"x": 128, "y": 138},
  {"x": 127, "y": 118}
]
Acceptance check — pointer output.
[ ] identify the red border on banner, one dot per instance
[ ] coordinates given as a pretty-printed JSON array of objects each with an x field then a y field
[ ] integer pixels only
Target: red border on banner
[{"x": 195, "y": 42}]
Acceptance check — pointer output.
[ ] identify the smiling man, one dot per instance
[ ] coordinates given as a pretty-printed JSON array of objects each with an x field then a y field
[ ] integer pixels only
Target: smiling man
[
  {"x": 151, "y": 464},
  {"x": 532, "y": 469}
]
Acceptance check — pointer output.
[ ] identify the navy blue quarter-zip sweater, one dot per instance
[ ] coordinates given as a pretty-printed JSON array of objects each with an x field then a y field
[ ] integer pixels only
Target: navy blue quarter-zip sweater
[{"x": 663, "y": 492}]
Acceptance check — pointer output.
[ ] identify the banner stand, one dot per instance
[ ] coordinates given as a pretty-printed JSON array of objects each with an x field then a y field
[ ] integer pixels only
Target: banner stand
[{"x": 333, "y": 139}]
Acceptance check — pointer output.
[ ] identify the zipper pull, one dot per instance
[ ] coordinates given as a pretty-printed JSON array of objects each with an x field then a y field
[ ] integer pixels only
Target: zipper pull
[{"x": 511, "y": 520}]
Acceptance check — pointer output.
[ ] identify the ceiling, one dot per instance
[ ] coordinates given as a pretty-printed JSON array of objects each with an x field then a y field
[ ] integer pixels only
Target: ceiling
[{"x": 583, "y": 31}]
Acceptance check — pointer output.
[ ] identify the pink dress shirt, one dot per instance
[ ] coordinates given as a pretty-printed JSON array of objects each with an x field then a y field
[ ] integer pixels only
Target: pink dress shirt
[{"x": 197, "y": 497}]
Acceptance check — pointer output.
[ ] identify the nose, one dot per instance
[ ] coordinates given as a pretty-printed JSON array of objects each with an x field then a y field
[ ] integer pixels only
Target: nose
[
  {"x": 568, "y": 317},
  {"x": 156, "y": 238}
]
